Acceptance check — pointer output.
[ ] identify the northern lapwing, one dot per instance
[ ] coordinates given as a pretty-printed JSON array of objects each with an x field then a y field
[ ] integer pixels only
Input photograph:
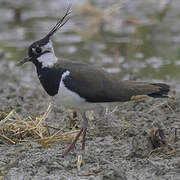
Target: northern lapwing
[{"x": 82, "y": 87}]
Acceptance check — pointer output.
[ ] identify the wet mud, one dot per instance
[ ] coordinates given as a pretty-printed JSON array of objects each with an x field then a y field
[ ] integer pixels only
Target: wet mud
[{"x": 140, "y": 140}]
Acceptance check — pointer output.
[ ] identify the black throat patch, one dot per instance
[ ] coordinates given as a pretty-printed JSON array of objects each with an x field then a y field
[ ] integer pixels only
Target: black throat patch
[{"x": 50, "y": 79}]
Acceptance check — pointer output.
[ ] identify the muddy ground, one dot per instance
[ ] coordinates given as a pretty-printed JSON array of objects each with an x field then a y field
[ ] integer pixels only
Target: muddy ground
[{"x": 119, "y": 148}]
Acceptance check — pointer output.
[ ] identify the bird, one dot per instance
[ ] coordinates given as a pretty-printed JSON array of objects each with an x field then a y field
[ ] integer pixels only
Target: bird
[{"x": 83, "y": 87}]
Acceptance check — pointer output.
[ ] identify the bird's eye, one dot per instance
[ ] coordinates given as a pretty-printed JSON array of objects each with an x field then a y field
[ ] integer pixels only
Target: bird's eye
[{"x": 38, "y": 50}]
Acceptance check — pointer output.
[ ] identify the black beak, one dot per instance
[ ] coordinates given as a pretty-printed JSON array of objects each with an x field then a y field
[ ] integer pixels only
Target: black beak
[{"x": 23, "y": 61}]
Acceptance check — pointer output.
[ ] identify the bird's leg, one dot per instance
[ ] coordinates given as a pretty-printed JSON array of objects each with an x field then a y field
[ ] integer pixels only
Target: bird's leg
[
  {"x": 83, "y": 130},
  {"x": 75, "y": 115},
  {"x": 72, "y": 146},
  {"x": 85, "y": 124},
  {"x": 73, "y": 120}
]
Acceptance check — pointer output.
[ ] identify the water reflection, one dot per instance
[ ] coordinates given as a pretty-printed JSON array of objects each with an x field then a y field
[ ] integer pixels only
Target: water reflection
[{"x": 137, "y": 41}]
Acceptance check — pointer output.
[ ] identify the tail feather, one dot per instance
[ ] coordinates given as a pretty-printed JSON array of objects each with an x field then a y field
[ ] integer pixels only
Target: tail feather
[
  {"x": 137, "y": 90},
  {"x": 163, "y": 90}
]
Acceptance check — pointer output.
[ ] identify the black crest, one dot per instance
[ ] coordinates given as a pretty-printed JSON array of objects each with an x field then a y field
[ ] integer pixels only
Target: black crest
[{"x": 60, "y": 23}]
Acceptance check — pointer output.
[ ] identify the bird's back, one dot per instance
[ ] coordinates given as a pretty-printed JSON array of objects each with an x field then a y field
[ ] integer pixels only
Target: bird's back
[{"x": 96, "y": 85}]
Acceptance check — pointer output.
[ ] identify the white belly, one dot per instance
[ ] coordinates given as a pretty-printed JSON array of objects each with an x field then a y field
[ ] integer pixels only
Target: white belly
[
  {"x": 72, "y": 100},
  {"x": 76, "y": 104}
]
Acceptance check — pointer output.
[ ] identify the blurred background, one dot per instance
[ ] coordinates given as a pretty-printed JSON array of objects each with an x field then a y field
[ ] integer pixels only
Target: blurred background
[{"x": 136, "y": 39}]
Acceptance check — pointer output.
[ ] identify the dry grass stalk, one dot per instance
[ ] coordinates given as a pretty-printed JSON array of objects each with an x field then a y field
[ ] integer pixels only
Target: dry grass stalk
[
  {"x": 15, "y": 129},
  {"x": 58, "y": 136}
]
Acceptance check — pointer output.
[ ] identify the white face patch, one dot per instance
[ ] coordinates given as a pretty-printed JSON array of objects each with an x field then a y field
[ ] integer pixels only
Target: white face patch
[
  {"x": 48, "y": 47},
  {"x": 47, "y": 59}
]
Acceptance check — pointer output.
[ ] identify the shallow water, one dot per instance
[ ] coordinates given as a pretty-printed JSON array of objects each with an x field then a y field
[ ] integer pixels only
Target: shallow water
[{"x": 137, "y": 40}]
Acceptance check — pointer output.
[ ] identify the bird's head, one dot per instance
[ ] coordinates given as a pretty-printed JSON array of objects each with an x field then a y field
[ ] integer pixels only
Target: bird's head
[{"x": 41, "y": 51}]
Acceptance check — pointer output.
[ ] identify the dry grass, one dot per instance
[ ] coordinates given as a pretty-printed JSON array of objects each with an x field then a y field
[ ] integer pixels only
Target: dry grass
[{"x": 15, "y": 129}]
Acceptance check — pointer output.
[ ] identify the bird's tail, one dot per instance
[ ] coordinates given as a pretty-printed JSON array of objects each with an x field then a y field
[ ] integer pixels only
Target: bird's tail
[
  {"x": 138, "y": 90},
  {"x": 162, "y": 92}
]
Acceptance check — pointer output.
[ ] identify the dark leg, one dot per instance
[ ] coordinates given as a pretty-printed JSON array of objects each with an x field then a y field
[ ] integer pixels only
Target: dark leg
[
  {"x": 75, "y": 115},
  {"x": 84, "y": 139},
  {"x": 73, "y": 121},
  {"x": 83, "y": 130},
  {"x": 72, "y": 146},
  {"x": 85, "y": 124}
]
